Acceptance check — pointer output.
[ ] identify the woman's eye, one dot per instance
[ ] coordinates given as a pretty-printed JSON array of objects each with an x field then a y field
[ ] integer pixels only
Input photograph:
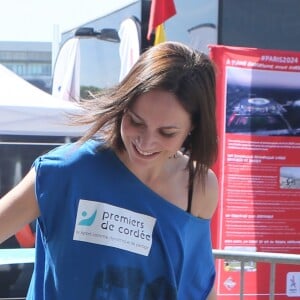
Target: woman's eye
[{"x": 167, "y": 134}]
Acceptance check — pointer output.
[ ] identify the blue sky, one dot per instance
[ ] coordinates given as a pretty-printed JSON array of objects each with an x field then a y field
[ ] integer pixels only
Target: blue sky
[
  {"x": 41, "y": 20},
  {"x": 35, "y": 20}
]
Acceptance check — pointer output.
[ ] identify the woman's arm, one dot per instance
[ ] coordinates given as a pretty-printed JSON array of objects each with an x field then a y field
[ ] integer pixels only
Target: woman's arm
[
  {"x": 205, "y": 200},
  {"x": 18, "y": 207},
  {"x": 205, "y": 205}
]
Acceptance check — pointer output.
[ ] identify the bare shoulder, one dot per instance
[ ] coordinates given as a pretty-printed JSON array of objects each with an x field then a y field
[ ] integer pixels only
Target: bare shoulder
[{"x": 205, "y": 199}]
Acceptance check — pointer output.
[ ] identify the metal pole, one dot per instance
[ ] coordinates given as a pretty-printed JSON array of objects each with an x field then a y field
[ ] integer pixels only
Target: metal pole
[
  {"x": 242, "y": 280},
  {"x": 272, "y": 281}
]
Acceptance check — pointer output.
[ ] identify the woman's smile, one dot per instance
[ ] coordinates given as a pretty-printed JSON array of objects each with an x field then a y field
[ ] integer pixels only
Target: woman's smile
[{"x": 144, "y": 153}]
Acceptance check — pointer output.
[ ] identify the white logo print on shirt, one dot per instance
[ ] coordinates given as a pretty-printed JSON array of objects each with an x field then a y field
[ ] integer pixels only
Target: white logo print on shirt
[{"x": 105, "y": 224}]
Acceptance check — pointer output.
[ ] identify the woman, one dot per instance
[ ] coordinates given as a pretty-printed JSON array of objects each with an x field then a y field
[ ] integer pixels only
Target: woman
[{"x": 124, "y": 213}]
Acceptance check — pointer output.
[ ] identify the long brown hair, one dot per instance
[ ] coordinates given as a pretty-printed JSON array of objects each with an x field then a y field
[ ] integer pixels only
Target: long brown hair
[{"x": 169, "y": 66}]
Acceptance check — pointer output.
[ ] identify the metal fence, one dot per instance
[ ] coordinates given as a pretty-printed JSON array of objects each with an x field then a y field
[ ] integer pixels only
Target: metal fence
[
  {"x": 272, "y": 258},
  {"x": 12, "y": 256}
]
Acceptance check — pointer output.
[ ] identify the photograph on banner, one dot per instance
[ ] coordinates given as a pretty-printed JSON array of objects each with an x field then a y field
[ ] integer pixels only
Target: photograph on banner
[
  {"x": 259, "y": 102},
  {"x": 259, "y": 166}
]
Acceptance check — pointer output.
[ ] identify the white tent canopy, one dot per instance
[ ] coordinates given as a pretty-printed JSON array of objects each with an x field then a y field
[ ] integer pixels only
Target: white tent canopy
[{"x": 27, "y": 110}]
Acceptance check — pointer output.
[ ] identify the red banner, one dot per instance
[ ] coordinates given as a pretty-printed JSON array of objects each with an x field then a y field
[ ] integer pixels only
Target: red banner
[{"x": 258, "y": 94}]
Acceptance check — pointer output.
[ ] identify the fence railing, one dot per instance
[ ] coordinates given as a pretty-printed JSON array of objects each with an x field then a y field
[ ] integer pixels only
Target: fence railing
[
  {"x": 272, "y": 258},
  {"x": 17, "y": 256}
]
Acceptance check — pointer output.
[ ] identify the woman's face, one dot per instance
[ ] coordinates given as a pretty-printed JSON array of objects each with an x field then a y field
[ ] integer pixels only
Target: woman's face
[{"x": 154, "y": 128}]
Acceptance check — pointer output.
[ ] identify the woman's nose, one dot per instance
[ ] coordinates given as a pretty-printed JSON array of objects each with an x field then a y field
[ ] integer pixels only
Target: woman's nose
[{"x": 146, "y": 140}]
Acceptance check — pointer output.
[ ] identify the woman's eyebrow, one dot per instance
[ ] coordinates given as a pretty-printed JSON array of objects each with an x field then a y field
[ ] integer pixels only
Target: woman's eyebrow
[
  {"x": 141, "y": 119},
  {"x": 134, "y": 114}
]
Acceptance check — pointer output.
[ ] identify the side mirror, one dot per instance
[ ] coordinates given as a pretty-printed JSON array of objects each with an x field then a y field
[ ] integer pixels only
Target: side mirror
[{"x": 105, "y": 34}]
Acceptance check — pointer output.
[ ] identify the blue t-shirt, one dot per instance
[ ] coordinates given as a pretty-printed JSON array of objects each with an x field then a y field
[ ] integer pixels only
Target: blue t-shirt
[{"x": 103, "y": 234}]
